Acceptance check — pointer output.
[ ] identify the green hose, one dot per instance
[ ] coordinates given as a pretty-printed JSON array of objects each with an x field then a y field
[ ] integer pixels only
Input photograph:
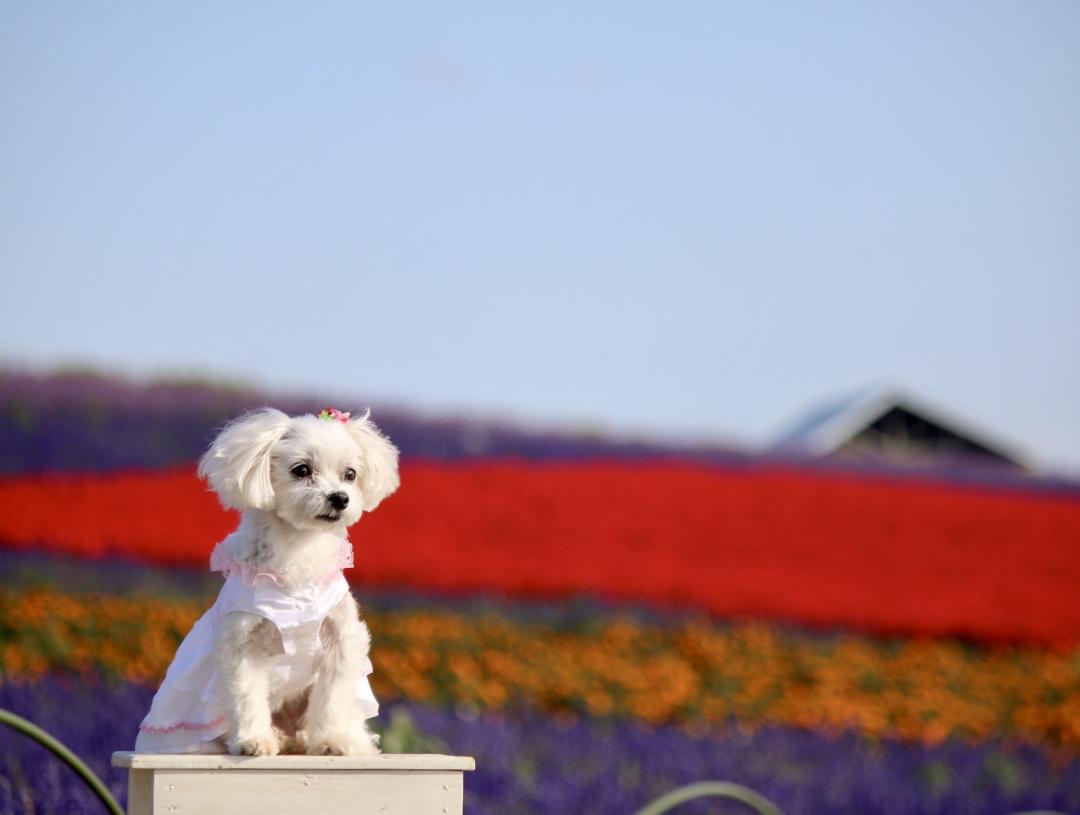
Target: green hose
[
  {"x": 64, "y": 754},
  {"x": 719, "y": 789}
]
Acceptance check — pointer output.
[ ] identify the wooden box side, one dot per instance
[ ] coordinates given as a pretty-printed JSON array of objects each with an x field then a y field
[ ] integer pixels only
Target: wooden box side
[{"x": 300, "y": 792}]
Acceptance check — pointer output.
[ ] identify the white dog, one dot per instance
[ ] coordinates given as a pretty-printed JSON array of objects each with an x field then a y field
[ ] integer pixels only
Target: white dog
[{"x": 280, "y": 662}]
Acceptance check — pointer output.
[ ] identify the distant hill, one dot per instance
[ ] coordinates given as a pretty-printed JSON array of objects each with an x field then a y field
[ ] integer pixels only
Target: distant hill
[
  {"x": 82, "y": 421},
  {"x": 92, "y": 422}
]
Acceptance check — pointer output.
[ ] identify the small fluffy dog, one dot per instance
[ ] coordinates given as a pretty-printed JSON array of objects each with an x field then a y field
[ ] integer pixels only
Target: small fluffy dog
[{"x": 280, "y": 662}]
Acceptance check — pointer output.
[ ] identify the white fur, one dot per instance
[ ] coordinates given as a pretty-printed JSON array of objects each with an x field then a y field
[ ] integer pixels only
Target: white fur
[{"x": 290, "y": 527}]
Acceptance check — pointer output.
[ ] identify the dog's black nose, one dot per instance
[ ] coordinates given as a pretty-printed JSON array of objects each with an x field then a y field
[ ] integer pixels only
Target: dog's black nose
[{"x": 338, "y": 500}]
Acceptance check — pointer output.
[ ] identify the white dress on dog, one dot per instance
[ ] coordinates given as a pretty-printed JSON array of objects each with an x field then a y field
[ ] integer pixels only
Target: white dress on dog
[{"x": 189, "y": 711}]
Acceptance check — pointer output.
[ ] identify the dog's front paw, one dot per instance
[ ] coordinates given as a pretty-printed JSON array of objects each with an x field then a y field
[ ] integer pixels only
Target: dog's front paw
[
  {"x": 260, "y": 744},
  {"x": 343, "y": 744}
]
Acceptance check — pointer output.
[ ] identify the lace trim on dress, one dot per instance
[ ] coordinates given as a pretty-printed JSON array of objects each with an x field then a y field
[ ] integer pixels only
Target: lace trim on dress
[
  {"x": 172, "y": 728},
  {"x": 222, "y": 561}
]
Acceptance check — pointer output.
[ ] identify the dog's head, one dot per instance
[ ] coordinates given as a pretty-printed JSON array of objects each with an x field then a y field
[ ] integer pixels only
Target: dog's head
[{"x": 311, "y": 471}]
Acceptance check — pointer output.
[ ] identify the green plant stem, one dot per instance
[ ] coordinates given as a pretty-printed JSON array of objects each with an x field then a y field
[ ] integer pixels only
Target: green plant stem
[
  {"x": 712, "y": 789},
  {"x": 43, "y": 738}
]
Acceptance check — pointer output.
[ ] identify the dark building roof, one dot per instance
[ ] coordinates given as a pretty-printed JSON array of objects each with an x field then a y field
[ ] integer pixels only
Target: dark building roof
[{"x": 891, "y": 424}]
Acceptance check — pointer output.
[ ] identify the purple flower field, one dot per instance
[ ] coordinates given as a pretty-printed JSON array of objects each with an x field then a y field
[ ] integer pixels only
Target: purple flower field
[
  {"x": 89, "y": 423},
  {"x": 529, "y": 763},
  {"x": 85, "y": 422}
]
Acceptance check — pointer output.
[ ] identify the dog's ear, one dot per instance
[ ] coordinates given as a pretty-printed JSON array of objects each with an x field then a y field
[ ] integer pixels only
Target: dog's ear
[
  {"x": 380, "y": 467},
  {"x": 237, "y": 465}
]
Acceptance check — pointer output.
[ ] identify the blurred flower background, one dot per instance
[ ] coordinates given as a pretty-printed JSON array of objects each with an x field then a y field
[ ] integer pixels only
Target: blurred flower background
[
  {"x": 584, "y": 261},
  {"x": 596, "y": 623}
]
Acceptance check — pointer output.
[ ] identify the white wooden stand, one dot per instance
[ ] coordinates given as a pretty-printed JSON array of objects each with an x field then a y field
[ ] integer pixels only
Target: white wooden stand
[{"x": 166, "y": 784}]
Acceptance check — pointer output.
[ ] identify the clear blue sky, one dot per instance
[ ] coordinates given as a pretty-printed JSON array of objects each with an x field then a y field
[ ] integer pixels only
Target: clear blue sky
[{"x": 681, "y": 218}]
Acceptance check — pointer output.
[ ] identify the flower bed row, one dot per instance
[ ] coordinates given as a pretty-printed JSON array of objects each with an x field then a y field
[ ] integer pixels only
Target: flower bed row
[
  {"x": 893, "y": 558},
  {"x": 692, "y": 673},
  {"x": 531, "y": 764},
  {"x": 85, "y": 422}
]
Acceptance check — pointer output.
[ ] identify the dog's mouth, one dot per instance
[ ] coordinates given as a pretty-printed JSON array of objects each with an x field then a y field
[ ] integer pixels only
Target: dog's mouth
[{"x": 331, "y": 516}]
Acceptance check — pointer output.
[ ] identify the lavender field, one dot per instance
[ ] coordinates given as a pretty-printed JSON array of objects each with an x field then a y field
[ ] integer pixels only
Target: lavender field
[{"x": 527, "y": 763}]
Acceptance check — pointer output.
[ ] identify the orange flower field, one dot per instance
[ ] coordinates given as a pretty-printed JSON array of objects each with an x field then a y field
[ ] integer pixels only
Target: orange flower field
[{"x": 691, "y": 673}]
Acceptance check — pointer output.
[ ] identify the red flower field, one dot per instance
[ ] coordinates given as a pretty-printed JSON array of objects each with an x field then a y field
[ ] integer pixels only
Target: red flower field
[{"x": 824, "y": 550}]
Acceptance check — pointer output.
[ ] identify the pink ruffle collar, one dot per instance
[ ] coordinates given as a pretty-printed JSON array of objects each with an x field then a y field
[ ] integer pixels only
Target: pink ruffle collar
[{"x": 222, "y": 561}]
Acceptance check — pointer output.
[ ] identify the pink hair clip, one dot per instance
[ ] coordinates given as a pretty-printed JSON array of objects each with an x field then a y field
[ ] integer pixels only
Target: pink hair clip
[{"x": 332, "y": 413}]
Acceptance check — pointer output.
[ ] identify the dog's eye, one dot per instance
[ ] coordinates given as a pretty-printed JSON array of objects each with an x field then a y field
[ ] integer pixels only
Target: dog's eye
[
  {"x": 301, "y": 471},
  {"x": 350, "y": 474}
]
